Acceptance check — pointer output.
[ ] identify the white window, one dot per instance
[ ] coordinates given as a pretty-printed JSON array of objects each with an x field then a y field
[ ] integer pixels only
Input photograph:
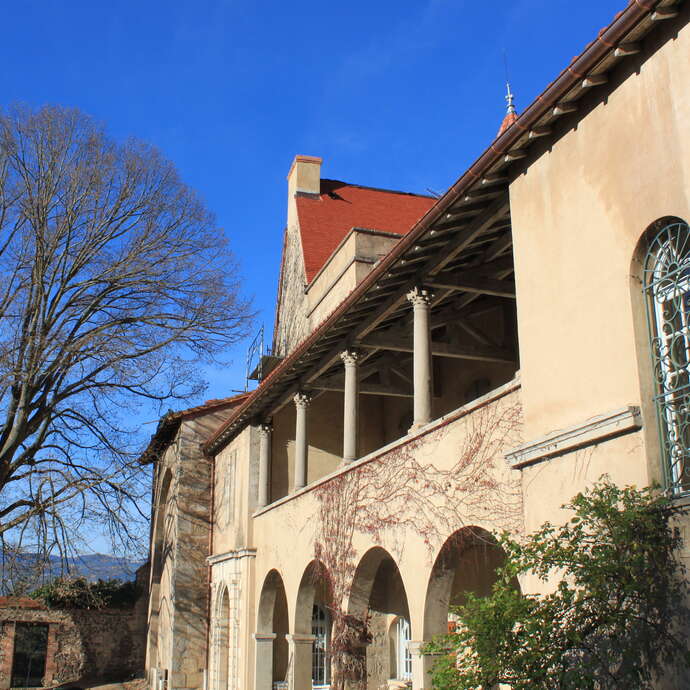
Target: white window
[
  {"x": 320, "y": 662},
  {"x": 404, "y": 658}
]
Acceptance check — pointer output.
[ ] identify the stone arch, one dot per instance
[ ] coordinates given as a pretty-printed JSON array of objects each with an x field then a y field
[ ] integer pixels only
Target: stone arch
[
  {"x": 377, "y": 597},
  {"x": 310, "y": 645},
  {"x": 273, "y": 625},
  {"x": 314, "y": 587},
  {"x": 466, "y": 562}
]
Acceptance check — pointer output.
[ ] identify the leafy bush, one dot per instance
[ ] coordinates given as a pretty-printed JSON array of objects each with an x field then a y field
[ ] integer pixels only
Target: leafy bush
[
  {"x": 618, "y": 616},
  {"x": 79, "y": 593}
]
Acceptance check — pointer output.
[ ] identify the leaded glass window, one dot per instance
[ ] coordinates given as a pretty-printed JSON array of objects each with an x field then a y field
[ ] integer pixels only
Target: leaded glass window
[{"x": 667, "y": 288}]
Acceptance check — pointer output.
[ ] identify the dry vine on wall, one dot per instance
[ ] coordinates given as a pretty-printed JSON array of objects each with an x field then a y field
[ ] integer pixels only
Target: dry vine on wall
[{"x": 399, "y": 492}]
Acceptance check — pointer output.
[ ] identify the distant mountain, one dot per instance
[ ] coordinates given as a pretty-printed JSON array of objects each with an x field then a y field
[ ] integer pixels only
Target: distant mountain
[
  {"x": 26, "y": 573},
  {"x": 95, "y": 566}
]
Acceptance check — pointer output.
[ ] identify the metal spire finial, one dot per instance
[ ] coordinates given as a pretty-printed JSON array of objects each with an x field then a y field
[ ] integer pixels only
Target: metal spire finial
[{"x": 509, "y": 99}]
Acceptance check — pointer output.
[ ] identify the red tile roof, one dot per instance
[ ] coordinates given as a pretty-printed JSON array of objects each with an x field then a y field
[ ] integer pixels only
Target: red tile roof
[
  {"x": 507, "y": 121},
  {"x": 325, "y": 219}
]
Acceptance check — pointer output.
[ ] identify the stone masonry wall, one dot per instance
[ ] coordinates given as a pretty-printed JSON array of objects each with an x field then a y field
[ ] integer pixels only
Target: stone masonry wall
[
  {"x": 292, "y": 324},
  {"x": 82, "y": 644}
]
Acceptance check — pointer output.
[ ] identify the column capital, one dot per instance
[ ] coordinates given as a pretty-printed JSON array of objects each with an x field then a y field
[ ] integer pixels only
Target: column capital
[
  {"x": 265, "y": 637},
  {"x": 302, "y": 399},
  {"x": 265, "y": 428},
  {"x": 420, "y": 296},
  {"x": 350, "y": 357},
  {"x": 297, "y": 638}
]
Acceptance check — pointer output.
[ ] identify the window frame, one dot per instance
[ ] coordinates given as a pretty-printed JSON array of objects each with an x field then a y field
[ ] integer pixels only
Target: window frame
[{"x": 666, "y": 287}]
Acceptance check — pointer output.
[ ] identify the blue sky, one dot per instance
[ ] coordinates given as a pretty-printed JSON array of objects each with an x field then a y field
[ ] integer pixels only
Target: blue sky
[
  {"x": 393, "y": 94},
  {"x": 403, "y": 95}
]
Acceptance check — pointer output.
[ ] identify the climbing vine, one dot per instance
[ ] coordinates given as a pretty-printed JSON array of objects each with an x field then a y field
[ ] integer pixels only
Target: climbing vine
[{"x": 402, "y": 491}]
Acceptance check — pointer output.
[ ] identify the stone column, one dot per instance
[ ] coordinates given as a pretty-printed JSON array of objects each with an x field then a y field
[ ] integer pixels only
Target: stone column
[
  {"x": 350, "y": 405},
  {"x": 421, "y": 666},
  {"x": 263, "y": 661},
  {"x": 265, "y": 431},
  {"x": 299, "y": 673},
  {"x": 302, "y": 401},
  {"x": 421, "y": 302}
]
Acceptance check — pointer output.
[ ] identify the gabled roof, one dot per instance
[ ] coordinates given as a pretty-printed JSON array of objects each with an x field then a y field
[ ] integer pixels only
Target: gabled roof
[
  {"x": 326, "y": 218},
  {"x": 170, "y": 422}
]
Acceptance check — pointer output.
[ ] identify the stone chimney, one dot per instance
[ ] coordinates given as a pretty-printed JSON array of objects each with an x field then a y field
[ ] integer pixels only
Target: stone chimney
[{"x": 304, "y": 176}]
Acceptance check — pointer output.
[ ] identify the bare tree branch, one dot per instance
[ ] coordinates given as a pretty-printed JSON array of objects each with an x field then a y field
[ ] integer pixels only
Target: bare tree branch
[{"x": 115, "y": 285}]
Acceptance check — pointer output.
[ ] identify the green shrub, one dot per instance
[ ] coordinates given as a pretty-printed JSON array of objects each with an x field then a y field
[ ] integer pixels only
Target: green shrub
[
  {"x": 617, "y": 618},
  {"x": 79, "y": 593}
]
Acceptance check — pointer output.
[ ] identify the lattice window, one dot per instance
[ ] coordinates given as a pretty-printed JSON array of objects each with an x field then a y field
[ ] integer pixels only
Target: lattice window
[
  {"x": 667, "y": 289},
  {"x": 320, "y": 662}
]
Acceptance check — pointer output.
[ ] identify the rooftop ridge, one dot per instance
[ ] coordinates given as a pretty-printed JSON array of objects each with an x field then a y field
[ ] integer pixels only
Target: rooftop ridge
[{"x": 377, "y": 189}]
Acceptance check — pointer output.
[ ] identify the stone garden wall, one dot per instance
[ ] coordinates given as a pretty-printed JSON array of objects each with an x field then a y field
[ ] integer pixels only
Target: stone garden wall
[{"x": 106, "y": 644}]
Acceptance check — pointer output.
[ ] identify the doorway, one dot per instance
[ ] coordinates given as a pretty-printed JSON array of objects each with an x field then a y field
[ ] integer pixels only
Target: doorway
[{"x": 29, "y": 657}]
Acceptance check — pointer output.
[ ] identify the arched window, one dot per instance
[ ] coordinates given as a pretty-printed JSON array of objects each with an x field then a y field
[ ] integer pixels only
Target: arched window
[
  {"x": 666, "y": 281},
  {"x": 320, "y": 662},
  {"x": 403, "y": 657},
  {"x": 222, "y": 646}
]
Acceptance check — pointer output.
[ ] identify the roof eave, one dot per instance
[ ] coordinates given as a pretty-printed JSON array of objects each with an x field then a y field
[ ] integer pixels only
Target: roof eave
[{"x": 579, "y": 68}]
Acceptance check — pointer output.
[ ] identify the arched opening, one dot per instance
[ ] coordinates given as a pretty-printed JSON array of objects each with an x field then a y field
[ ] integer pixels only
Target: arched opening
[
  {"x": 313, "y": 617},
  {"x": 160, "y": 554},
  {"x": 467, "y": 562},
  {"x": 273, "y": 619},
  {"x": 222, "y": 641},
  {"x": 377, "y": 599},
  {"x": 664, "y": 263}
]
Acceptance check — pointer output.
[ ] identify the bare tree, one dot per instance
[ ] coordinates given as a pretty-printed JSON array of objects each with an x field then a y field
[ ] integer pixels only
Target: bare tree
[{"x": 115, "y": 285}]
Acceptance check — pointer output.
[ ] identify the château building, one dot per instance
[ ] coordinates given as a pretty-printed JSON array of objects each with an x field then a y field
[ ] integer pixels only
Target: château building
[{"x": 442, "y": 369}]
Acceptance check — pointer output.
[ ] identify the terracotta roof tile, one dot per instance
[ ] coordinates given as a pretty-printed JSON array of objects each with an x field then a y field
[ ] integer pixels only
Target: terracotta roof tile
[
  {"x": 327, "y": 218},
  {"x": 507, "y": 121}
]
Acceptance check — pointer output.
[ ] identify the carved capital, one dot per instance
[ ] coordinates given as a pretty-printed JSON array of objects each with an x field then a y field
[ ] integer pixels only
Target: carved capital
[
  {"x": 350, "y": 357},
  {"x": 420, "y": 297},
  {"x": 265, "y": 428},
  {"x": 302, "y": 399}
]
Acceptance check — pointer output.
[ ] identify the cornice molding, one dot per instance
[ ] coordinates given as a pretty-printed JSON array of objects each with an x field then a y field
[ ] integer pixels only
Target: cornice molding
[
  {"x": 616, "y": 423},
  {"x": 231, "y": 556}
]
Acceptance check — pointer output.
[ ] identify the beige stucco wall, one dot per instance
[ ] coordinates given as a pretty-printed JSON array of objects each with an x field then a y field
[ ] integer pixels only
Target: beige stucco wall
[
  {"x": 284, "y": 534},
  {"x": 578, "y": 213}
]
